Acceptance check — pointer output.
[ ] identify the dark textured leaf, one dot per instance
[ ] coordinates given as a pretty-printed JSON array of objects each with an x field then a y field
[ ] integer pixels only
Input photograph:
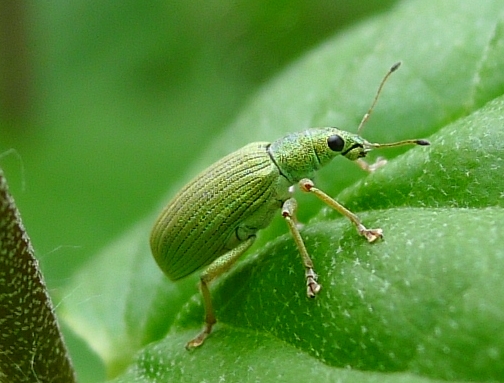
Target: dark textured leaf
[{"x": 31, "y": 344}]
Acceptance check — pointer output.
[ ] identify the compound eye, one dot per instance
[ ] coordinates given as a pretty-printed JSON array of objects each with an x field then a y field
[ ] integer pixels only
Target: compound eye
[{"x": 335, "y": 143}]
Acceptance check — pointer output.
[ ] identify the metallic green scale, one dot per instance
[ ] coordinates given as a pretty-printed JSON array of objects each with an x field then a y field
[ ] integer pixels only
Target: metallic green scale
[{"x": 214, "y": 219}]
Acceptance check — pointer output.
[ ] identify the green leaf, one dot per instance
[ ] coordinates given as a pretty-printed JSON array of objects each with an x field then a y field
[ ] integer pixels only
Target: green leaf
[
  {"x": 412, "y": 303},
  {"x": 423, "y": 304},
  {"x": 245, "y": 356}
]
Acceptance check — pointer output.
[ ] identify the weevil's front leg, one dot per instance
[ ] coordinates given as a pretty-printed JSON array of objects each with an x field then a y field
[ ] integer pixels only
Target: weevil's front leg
[
  {"x": 380, "y": 161},
  {"x": 288, "y": 212},
  {"x": 216, "y": 268},
  {"x": 370, "y": 234}
]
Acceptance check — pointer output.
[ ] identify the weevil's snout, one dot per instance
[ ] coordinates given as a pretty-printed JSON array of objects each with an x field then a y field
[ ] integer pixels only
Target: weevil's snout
[
  {"x": 368, "y": 146},
  {"x": 365, "y": 152},
  {"x": 356, "y": 151}
]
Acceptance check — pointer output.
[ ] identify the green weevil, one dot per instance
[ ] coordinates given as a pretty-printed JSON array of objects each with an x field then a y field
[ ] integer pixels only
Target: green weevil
[{"x": 214, "y": 219}]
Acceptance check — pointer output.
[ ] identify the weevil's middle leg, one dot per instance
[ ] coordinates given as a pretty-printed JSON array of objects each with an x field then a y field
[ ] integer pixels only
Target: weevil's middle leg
[
  {"x": 288, "y": 212},
  {"x": 371, "y": 235},
  {"x": 216, "y": 268}
]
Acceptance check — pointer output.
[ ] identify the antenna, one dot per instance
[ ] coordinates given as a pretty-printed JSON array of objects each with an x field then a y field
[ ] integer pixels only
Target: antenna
[
  {"x": 368, "y": 113},
  {"x": 399, "y": 143}
]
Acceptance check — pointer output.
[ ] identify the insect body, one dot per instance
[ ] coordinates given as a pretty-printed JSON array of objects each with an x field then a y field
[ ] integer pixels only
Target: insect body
[{"x": 214, "y": 219}]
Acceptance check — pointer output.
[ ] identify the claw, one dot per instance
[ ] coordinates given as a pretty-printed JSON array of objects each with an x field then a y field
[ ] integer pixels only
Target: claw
[
  {"x": 312, "y": 287},
  {"x": 370, "y": 234},
  {"x": 198, "y": 341}
]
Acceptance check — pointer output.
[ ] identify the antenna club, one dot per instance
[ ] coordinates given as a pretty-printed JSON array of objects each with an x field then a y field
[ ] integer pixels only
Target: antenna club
[
  {"x": 422, "y": 142},
  {"x": 395, "y": 66}
]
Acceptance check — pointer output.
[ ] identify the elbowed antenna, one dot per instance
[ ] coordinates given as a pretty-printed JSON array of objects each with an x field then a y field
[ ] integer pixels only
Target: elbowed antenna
[
  {"x": 369, "y": 145},
  {"x": 368, "y": 113},
  {"x": 398, "y": 143}
]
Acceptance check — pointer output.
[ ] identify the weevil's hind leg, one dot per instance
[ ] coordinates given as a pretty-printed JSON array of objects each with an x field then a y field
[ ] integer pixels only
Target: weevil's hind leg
[
  {"x": 288, "y": 212},
  {"x": 370, "y": 234},
  {"x": 216, "y": 268}
]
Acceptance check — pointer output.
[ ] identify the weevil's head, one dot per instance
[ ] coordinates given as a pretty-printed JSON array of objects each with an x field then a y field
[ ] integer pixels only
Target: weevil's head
[
  {"x": 300, "y": 155},
  {"x": 330, "y": 142}
]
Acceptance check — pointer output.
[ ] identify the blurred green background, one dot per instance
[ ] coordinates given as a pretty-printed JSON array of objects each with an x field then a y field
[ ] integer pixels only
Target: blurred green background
[
  {"x": 106, "y": 102},
  {"x": 102, "y": 101}
]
